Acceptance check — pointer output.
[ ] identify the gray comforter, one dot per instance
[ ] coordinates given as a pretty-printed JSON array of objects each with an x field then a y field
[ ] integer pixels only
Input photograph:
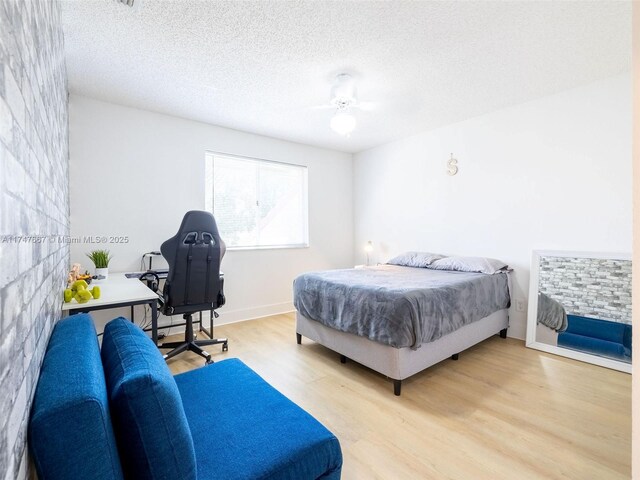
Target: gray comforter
[
  {"x": 551, "y": 313},
  {"x": 399, "y": 306}
]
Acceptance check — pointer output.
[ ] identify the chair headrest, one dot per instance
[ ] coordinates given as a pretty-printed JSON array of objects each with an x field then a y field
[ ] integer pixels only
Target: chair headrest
[
  {"x": 198, "y": 221},
  {"x": 197, "y": 227}
]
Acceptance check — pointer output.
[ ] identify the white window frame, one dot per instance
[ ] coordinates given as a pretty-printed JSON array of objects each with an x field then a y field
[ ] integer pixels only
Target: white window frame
[{"x": 212, "y": 154}]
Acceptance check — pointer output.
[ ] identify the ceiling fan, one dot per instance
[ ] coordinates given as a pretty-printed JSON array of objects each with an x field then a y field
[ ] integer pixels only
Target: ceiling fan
[
  {"x": 344, "y": 100},
  {"x": 133, "y": 4}
]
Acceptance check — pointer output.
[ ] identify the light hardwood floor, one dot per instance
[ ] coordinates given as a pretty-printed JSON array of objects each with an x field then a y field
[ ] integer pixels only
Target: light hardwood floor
[{"x": 502, "y": 411}]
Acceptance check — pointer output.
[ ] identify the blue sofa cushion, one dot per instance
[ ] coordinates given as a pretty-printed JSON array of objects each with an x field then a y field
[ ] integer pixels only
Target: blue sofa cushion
[
  {"x": 596, "y": 328},
  {"x": 149, "y": 421},
  {"x": 600, "y": 337},
  {"x": 245, "y": 429},
  {"x": 70, "y": 433},
  {"x": 594, "y": 345}
]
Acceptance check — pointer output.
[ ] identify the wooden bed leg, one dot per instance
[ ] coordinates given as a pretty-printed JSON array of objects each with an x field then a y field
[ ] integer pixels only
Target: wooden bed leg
[
  {"x": 503, "y": 333},
  {"x": 455, "y": 356},
  {"x": 397, "y": 385},
  {"x": 299, "y": 338},
  {"x": 343, "y": 359}
]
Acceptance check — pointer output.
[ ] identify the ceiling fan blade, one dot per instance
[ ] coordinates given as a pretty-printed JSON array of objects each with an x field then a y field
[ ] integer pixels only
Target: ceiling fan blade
[{"x": 367, "y": 106}]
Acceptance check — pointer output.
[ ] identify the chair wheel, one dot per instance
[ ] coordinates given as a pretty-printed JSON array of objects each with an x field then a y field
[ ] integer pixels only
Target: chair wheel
[
  {"x": 208, "y": 361},
  {"x": 225, "y": 347}
]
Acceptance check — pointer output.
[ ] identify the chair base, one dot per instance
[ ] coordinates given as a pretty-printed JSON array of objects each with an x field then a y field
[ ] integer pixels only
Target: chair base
[
  {"x": 195, "y": 347},
  {"x": 190, "y": 344}
]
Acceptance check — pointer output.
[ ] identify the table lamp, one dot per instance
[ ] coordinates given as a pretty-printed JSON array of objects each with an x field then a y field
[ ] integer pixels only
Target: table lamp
[{"x": 368, "y": 248}]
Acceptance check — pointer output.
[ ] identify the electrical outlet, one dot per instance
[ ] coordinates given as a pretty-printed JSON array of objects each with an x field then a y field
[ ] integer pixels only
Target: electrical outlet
[{"x": 519, "y": 305}]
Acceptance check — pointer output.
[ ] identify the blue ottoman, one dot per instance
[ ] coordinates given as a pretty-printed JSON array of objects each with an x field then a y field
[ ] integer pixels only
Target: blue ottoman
[{"x": 244, "y": 428}]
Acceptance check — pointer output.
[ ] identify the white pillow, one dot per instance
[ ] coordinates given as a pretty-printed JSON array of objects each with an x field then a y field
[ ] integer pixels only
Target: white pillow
[
  {"x": 470, "y": 264},
  {"x": 415, "y": 259}
]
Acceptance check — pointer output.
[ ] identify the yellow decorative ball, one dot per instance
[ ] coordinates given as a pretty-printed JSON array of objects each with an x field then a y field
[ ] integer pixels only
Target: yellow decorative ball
[
  {"x": 83, "y": 296},
  {"x": 79, "y": 285}
]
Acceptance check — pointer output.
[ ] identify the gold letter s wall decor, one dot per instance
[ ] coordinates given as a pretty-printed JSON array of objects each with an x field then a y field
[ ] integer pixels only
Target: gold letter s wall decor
[{"x": 452, "y": 166}]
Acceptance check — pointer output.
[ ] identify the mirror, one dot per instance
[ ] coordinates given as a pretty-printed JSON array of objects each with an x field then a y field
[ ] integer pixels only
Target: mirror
[{"x": 580, "y": 306}]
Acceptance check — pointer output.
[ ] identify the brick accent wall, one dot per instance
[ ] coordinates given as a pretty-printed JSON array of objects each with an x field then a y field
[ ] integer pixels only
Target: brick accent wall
[
  {"x": 589, "y": 287},
  {"x": 34, "y": 208}
]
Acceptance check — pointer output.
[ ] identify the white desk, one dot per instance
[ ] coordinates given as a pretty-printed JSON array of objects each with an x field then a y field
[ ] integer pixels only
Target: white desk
[{"x": 119, "y": 291}]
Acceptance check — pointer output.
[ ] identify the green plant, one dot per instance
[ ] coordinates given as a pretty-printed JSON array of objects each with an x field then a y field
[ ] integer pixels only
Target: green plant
[{"x": 100, "y": 258}]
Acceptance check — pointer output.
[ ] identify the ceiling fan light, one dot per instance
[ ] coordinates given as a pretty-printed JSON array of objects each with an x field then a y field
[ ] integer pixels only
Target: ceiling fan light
[{"x": 343, "y": 123}]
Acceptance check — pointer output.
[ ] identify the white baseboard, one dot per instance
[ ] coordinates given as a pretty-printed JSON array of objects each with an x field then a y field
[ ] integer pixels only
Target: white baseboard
[
  {"x": 233, "y": 316},
  {"x": 101, "y": 317}
]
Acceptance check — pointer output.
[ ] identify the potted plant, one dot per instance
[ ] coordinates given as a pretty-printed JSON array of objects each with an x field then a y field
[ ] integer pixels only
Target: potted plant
[{"x": 100, "y": 259}]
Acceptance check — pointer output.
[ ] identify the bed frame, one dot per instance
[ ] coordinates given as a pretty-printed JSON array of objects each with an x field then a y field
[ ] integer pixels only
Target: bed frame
[{"x": 401, "y": 363}]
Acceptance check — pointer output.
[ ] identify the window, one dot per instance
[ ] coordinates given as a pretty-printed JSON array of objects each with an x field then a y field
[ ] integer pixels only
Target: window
[{"x": 257, "y": 203}]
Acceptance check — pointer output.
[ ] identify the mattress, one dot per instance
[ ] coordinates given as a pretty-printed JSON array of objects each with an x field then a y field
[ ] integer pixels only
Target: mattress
[{"x": 399, "y": 306}]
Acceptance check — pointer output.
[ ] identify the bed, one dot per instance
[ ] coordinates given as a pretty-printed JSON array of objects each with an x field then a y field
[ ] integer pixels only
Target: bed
[{"x": 403, "y": 317}]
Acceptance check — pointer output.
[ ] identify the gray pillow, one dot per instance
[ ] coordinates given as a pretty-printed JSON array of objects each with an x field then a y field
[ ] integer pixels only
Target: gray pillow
[
  {"x": 415, "y": 259},
  {"x": 470, "y": 264}
]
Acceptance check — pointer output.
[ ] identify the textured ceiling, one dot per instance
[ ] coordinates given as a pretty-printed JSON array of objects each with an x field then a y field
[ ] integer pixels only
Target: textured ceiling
[{"x": 262, "y": 66}]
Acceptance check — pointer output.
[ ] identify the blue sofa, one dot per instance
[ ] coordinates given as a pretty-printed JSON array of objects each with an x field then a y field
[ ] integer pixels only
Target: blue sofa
[
  {"x": 600, "y": 337},
  {"x": 118, "y": 413}
]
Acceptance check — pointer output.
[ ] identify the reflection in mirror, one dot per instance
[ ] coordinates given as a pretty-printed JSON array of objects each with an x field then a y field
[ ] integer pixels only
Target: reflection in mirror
[{"x": 583, "y": 304}]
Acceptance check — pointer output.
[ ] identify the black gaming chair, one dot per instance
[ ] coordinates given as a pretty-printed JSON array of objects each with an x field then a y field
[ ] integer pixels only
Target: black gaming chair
[{"x": 194, "y": 282}]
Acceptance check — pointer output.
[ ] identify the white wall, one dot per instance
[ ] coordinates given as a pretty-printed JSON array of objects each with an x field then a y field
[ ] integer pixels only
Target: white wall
[
  {"x": 553, "y": 173},
  {"x": 135, "y": 173}
]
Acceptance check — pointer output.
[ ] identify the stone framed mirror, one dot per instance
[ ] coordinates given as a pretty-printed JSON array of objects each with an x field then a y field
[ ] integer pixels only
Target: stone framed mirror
[{"x": 580, "y": 306}]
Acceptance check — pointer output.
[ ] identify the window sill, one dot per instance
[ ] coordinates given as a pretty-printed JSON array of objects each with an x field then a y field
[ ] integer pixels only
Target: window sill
[{"x": 269, "y": 247}]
